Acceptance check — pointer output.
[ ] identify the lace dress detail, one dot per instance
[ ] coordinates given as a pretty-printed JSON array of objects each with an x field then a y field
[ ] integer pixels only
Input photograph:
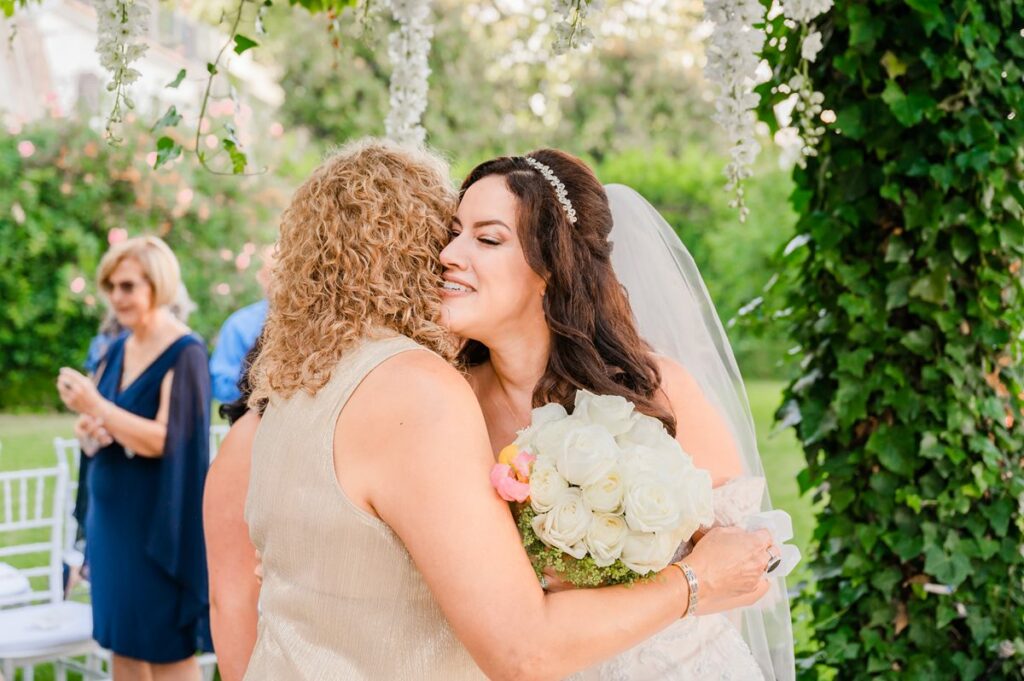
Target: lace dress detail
[
  {"x": 702, "y": 648},
  {"x": 705, "y": 648}
]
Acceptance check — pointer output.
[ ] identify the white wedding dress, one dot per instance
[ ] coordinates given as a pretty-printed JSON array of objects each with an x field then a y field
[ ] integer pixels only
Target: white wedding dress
[{"x": 701, "y": 648}]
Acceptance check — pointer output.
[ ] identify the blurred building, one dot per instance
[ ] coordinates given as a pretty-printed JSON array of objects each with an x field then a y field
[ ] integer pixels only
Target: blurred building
[{"x": 51, "y": 66}]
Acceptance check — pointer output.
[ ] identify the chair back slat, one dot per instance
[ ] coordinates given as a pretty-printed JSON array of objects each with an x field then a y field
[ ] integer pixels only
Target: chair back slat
[
  {"x": 39, "y": 499},
  {"x": 32, "y": 529},
  {"x": 24, "y": 549},
  {"x": 69, "y": 452},
  {"x": 23, "y": 499},
  {"x": 8, "y": 501}
]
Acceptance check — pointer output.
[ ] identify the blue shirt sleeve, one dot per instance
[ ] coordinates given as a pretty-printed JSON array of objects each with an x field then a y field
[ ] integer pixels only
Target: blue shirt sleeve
[
  {"x": 226, "y": 361},
  {"x": 237, "y": 337}
]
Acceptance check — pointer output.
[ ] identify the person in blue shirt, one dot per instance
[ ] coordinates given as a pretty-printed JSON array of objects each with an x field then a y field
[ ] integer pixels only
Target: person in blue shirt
[{"x": 236, "y": 338}]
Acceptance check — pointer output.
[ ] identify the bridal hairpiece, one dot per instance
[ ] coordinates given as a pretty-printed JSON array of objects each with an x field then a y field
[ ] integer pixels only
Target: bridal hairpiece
[{"x": 560, "y": 192}]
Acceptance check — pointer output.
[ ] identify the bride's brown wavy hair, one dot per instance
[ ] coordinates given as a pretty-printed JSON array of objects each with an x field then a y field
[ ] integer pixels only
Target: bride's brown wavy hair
[
  {"x": 359, "y": 249},
  {"x": 595, "y": 344}
]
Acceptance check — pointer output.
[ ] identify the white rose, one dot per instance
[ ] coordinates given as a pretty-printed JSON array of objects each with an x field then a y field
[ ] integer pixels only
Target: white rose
[
  {"x": 652, "y": 504},
  {"x": 540, "y": 417},
  {"x": 606, "y": 537},
  {"x": 586, "y": 454},
  {"x": 645, "y": 552},
  {"x": 647, "y": 431},
  {"x": 614, "y": 412},
  {"x": 667, "y": 461},
  {"x": 605, "y": 495},
  {"x": 640, "y": 461},
  {"x": 565, "y": 525},
  {"x": 696, "y": 501},
  {"x": 547, "y": 441},
  {"x": 547, "y": 486}
]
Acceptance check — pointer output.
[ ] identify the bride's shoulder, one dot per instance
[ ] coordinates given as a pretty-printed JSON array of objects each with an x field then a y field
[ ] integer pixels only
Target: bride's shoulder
[{"x": 676, "y": 381}]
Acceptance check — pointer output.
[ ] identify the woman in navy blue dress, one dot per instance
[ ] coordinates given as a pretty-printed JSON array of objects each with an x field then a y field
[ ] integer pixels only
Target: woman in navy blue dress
[{"x": 147, "y": 423}]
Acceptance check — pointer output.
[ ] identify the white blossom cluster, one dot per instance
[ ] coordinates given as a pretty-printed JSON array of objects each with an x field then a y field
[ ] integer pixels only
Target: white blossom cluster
[
  {"x": 807, "y": 110},
  {"x": 571, "y": 30},
  {"x": 733, "y": 57},
  {"x": 119, "y": 26},
  {"x": 807, "y": 106},
  {"x": 805, "y": 10},
  {"x": 408, "y": 48}
]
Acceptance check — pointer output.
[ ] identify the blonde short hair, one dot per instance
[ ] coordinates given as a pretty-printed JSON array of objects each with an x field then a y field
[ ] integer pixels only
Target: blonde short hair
[
  {"x": 158, "y": 264},
  {"x": 359, "y": 250}
]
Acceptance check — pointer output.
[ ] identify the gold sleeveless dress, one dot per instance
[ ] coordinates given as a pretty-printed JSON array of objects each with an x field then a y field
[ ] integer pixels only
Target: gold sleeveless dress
[{"x": 341, "y": 597}]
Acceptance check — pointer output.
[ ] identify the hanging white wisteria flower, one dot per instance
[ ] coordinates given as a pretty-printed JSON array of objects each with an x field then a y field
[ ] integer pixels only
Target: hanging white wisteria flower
[
  {"x": 571, "y": 30},
  {"x": 120, "y": 24},
  {"x": 408, "y": 48},
  {"x": 811, "y": 46},
  {"x": 733, "y": 57},
  {"x": 805, "y": 11},
  {"x": 807, "y": 102}
]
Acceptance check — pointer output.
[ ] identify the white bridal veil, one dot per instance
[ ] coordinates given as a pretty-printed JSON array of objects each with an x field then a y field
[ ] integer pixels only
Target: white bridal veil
[{"x": 675, "y": 315}]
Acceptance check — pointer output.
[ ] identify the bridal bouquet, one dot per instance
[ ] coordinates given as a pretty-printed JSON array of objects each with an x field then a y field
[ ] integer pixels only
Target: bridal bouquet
[{"x": 604, "y": 495}]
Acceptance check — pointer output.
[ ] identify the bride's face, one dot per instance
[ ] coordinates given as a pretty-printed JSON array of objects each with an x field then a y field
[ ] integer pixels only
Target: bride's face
[{"x": 489, "y": 289}]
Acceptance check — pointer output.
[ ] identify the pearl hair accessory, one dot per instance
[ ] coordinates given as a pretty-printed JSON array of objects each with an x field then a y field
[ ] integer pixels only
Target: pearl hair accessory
[{"x": 560, "y": 192}]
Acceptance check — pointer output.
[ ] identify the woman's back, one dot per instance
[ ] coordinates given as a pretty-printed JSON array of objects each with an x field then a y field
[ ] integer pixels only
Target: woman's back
[{"x": 341, "y": 597}]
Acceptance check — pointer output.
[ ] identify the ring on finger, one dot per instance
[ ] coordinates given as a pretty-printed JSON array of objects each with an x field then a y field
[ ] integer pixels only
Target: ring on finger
[{"x": 774, "y": 560}]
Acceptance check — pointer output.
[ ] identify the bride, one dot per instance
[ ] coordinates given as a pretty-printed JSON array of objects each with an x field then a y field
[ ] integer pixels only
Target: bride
[{"x": 534, "y": 285}]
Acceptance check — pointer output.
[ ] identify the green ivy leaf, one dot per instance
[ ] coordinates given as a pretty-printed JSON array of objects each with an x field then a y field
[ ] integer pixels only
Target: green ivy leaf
[
  {"x": 908, "y": 109},
  {"x": 177, "y": 79},
  {"x": 947, "y": 563},
  {"x": 919, "y": 341},
  {"x": 243, "y": 43},
  {"x": 170, "y": 119},
  {"x": 166, "y": 150},
  {"x": 238, "y": 158},
  {"x": 893, "y": 66},
  {"x": 932, "y": 287},
  {"x": 894, "y": 446}
]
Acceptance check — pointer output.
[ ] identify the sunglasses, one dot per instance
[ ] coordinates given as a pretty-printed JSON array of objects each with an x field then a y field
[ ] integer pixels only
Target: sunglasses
[{"x": 125, "y": 287}]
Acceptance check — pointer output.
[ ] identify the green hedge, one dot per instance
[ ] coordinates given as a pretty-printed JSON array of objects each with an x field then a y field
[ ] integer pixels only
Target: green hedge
[
  {"x": 62, "y": 189},
  {"x": 907, "y": 308}
]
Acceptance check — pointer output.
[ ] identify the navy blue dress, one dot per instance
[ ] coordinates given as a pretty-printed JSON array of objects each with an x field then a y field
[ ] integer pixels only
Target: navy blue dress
[{"x": 144, "y": 523}]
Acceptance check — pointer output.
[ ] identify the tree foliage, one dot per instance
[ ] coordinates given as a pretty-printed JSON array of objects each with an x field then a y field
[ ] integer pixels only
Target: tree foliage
[
  {"x": 62, "y": 191},
  {"x": 906, "y": 295}
]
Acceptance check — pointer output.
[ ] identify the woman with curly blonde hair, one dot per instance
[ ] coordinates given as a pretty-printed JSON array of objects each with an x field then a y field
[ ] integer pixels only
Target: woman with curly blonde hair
[{"x": 386, "y": 554}]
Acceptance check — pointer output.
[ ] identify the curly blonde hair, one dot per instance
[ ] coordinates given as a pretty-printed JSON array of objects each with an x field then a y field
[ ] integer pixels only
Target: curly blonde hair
[{"x": 359, "y": 250}]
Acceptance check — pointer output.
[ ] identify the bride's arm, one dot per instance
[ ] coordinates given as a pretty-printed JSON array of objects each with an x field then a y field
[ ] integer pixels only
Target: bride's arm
[
  {"x": 413, "y": 448},
  {"x": 700, "y": 428}
]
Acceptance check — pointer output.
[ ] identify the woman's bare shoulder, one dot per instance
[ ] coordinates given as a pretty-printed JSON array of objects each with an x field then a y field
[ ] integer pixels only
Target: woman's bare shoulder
[{"x": 416, "y": 381}]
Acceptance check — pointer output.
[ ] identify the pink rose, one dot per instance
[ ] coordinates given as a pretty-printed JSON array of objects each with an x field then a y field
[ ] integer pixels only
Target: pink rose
[
  {"x": 522, "y": 464},
  {"x": 504, "y": 481}
]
